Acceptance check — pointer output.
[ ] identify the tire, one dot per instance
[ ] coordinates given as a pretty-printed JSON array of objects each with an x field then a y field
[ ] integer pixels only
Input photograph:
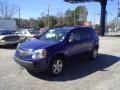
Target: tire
[
  {"x": 94, "y": 53},
  {"x": 56, "y": 66},
  {"x": 30, "y": 71}
]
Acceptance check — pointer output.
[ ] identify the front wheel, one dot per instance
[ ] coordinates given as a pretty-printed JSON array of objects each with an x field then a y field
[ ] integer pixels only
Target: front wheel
[
  {"x": 94, "y": 53},
  {"x": 56, "y": 66}
]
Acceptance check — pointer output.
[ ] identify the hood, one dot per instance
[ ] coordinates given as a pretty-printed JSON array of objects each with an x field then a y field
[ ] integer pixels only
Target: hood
[{"x": 36, "y": 44}]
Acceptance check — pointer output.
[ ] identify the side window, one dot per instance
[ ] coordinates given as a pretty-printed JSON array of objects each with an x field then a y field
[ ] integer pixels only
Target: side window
[
  {"x": 84, "y": 34},
  {"x": 87, "y": 34},
  {"x": 92, "y": 32},
  {"x": 23, "y": 32},
  {"x": 75, "y": 34}
]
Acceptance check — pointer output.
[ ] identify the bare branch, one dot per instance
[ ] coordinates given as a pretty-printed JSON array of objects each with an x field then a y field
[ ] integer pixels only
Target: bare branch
[{"x": 7, "y": 11}]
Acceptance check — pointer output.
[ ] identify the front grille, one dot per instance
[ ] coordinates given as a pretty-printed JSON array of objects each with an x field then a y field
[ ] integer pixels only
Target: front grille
[{"x": 23, "y": 52}]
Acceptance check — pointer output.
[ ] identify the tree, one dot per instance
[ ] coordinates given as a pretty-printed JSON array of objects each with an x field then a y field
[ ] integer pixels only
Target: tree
[
  {"x": 52, "y": 21},
  {"x": 24, "y": 23},
  {"x": 32, "y": 23},
  {"x": 97, "y": 26},
  {"x": 7, "y": 11},
  {"x": 69, "y": 18},
  {"x": 60, "y": 19},
  {"x": 77, "y": 16},
  {"x": 81, "y": 14},
  {"x": 40, "y": 22}
]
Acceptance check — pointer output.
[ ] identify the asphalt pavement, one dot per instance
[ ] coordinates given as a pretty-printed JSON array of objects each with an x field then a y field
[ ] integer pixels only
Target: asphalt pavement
[{"x": 100, "y": 74}]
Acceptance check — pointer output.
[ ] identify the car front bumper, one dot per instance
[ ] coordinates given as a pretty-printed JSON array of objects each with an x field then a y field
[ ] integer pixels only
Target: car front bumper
[{"x": 40, "y": 65}]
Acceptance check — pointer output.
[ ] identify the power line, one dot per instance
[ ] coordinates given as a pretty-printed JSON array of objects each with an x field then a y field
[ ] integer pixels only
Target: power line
[
  {"x": 32, "y": 7},
  {"x": 118, "y": 10},
  {"x": 74, "y": 18},
  {"x": 19, "y": 17}
]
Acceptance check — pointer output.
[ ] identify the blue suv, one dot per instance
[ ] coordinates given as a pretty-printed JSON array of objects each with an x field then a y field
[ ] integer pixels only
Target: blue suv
[{"x": 52, "y": 50}]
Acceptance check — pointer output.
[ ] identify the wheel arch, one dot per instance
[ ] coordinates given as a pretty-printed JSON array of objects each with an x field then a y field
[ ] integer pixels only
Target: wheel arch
[
  {"x": 96, "y": 46},
  {"x": 58, "y": 55}
]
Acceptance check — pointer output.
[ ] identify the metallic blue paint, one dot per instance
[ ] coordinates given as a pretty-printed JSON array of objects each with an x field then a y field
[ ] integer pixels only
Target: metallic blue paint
[{"x": 71, "y": 51}]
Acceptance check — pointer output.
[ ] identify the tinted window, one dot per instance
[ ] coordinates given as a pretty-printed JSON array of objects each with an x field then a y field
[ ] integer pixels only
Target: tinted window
[
  {"x": 84, "y": 34},
  {"x": 92, "y": 32},
  {"x": 34, "y": 31},
  {"x": 21, "y": 32}
]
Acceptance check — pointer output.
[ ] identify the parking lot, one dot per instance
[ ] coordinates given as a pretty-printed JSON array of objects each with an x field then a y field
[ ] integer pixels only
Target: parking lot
[{"x": 100, "y": 74}]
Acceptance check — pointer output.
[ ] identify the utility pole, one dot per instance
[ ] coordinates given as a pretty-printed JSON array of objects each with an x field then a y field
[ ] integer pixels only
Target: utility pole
[
  {"x": 58, "y": 22},
  {"x": 19, "y": 18},
  {"x": 118, "y": 15},
  {"x": 74, "y": 18},
  {"x": 103, "y": 16},
  {"x": 115, "y": 29},
  {"x": 62, "y": 22},
  {"x": 118, "y": 10},
  {"x": 94, "y": 18},
  {"x": 61, "y": 18},
  {"x": 43, "y": 16},
  {"x": 48, "y": 16},
  {"x": 95, "y": 14},
  {"x": 44, "y": 21},
  {"x": 117, "y": 18}
]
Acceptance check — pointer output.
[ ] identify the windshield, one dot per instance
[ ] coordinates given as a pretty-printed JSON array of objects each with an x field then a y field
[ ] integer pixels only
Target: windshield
[
  {"x": 56, "y": 35},
  {"x": 34, "y": 31},
  {"x": 20, "y": 32}
]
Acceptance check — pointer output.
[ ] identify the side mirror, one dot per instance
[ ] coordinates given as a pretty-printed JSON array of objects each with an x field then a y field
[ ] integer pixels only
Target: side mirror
[{"x": 72, "y": 39}]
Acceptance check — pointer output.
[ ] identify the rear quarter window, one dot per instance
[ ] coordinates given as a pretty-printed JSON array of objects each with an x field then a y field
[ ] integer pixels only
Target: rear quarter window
[
  {"x": 92, "y": 32},
  {"x": 84, "y": 34}
]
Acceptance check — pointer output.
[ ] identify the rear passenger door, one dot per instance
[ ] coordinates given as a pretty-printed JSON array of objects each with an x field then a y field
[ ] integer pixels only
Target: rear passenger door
[{"x": 86, "y": 40}]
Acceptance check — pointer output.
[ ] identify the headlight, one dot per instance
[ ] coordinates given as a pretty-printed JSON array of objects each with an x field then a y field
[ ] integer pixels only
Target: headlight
[
  {"x": 39, "y": 54},
  {"x": 2, "y": 40}
]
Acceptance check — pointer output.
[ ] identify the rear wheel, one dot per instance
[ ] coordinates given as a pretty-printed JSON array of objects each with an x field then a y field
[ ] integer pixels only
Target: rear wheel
[
  {"x": 94, "y": 53},
  {"x": 56, "y": 66}
]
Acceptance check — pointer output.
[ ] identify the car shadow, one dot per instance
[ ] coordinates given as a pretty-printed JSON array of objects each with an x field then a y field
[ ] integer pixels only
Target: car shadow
[
  {"x": 12, "y": 47},
  {"x": 82, "y": 69}
]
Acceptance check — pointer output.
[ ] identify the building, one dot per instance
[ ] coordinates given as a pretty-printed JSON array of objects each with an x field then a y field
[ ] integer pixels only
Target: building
[{"x": 8, "y": 24}]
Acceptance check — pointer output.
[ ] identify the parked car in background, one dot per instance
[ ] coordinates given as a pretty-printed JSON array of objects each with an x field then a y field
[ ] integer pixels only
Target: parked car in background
[
  {"x": 56, "y": 47},
  {"x": 42, "y": 30},
  {"x": 27, "y": 33},
  {"x": 8, "y": 38}
]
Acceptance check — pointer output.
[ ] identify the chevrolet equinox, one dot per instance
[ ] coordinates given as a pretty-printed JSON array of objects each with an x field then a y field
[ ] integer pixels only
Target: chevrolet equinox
[{"x": 52, "y": 50}]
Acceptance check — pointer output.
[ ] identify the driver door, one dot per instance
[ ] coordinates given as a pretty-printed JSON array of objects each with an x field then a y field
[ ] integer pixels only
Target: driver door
[{"x": 74, "y": 48}]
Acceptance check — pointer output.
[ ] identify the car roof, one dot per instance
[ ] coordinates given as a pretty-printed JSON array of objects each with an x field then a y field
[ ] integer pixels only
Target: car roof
[
  {"x": 3, "y": 30},
  {"x": 73, "y": 27}
]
